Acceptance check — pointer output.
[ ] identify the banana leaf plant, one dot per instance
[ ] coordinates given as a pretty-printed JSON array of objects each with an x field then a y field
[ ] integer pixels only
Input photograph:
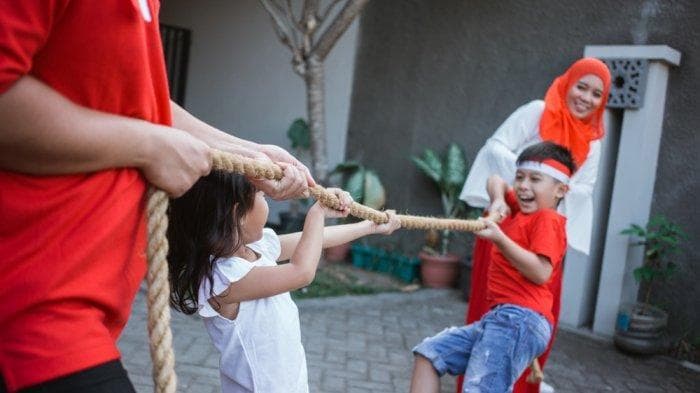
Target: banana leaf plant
[{"x": 448, "y": 172}]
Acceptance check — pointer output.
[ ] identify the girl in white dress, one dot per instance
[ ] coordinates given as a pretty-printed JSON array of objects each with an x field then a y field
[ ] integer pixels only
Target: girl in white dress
[{"x": 223, "y": 264}]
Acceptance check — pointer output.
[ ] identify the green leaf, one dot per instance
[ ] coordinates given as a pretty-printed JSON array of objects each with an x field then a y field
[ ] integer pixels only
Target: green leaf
[
  {"x": 637, "y": 274},
  {"x": 635, "y": 230},
  {"x": 455, "y": 169},
  {"x": 299, "y": 134},
  {"x": 374, "y": 195},
  {"x": 430, "y": 167},
  {"x": 356, "y": 186}
]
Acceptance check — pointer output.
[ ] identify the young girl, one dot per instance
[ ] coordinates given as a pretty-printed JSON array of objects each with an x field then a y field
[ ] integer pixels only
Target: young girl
[{"x": 223, "y": 263}]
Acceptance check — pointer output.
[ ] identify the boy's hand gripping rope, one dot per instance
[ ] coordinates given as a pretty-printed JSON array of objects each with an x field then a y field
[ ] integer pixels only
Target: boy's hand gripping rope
[{"x": 157, "y": 277}]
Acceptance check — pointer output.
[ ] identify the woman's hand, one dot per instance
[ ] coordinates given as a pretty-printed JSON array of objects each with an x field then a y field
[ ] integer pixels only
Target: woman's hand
[
  {"x": 389, "y": 227},
  {"x": 498, "y": 210},
  {"x": 492, "y": 231}
]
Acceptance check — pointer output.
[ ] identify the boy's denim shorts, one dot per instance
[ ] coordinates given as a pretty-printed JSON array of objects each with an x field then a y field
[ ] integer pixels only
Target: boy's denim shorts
[{"x": 493, "y": 351}]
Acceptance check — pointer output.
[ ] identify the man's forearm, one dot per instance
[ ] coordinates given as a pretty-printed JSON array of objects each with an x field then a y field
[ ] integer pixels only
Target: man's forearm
[{"x": 43, "y": 133}]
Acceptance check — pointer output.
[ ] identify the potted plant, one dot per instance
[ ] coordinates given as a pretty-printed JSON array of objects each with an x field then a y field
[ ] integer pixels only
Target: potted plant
[
  {"x": 641, "y": 327},
  {"x": 365, "y": 187},
  {"x": 439, "y": 267},
  {"x": 299, "y": 136}
]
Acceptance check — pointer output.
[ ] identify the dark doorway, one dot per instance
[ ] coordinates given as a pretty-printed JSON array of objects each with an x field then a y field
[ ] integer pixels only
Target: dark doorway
[{"x": 176, "y": 49}]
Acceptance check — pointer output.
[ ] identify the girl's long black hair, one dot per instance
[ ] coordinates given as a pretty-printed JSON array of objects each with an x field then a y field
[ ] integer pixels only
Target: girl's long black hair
[{"x": 204, "y": 224}]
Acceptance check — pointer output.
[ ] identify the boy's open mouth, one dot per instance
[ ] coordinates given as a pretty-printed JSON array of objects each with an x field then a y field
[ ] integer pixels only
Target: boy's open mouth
[{"x": 524, "y": 199}]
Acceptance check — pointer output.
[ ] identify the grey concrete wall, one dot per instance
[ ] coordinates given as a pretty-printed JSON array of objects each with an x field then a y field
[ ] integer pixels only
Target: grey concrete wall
[
  {"x": 240, "y": 76},
  {"x": 433, "y": 72}
]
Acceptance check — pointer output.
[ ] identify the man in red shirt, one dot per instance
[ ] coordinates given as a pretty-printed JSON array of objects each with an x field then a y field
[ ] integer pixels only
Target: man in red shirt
[
  {"x": 85, "y": 123},
  {"x": 529, "y": 247}
]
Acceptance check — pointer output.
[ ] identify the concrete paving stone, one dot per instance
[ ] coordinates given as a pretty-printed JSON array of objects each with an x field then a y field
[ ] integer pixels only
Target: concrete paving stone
[
  {"x": 373, "y": 352},
  {"x": 333, "y": 384},
  {"x": 390, "y": 319},
  {"x": 209, "y": 373},
  {"x": 345, "y": 374},
  {"x": 356, "y": 344},
  {"x": 335, "y": 355},
  {"x": 392, "y": 337},
  {"x": 316, "y": 357},
  {"x": 199, "y": 386},
  {"x": 394, "y": 369},
  {"x": 337, "y": 334},
  {"x": 371, "y": 385},
  {"x": 358, "y": 366},
  {"x": 197, "y": 353},
  {"x": 378, "y": 375},
  {"x": 358, "y": 390}
]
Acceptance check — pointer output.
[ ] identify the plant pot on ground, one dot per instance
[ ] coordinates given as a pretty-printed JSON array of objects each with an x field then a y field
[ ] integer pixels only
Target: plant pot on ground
[
  {"x": 439, "y": 268},
  {"x": 365, "y": 187},
  {"x": 640, "y": 327},
  {"x": 337, "y": 253}
]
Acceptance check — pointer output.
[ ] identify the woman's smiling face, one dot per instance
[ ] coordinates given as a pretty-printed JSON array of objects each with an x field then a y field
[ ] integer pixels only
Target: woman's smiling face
[{"x": 585, "y": 96}]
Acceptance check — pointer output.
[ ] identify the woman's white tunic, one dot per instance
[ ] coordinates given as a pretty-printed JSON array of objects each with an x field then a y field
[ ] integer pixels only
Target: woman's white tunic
[{"x": 520, "y": 130}]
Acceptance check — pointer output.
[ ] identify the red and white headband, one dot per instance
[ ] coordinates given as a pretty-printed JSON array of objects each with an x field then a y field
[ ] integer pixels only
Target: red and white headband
[{"x": 549, "y": 167}]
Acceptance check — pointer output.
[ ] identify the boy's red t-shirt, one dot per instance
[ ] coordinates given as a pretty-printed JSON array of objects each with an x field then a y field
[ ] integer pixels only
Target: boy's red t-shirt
[
  {"x": 542, "y": 232},
  {"x": 72, "y": 248}
]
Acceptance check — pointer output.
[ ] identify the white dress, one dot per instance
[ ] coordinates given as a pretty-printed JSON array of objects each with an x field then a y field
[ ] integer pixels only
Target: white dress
[
  {"x": 520, "y": 130},
  {"x": 261, "y": 349}
]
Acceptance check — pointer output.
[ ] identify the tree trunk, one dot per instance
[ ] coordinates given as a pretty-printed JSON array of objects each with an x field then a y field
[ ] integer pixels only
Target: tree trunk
[{"x": 317, "y": 123}]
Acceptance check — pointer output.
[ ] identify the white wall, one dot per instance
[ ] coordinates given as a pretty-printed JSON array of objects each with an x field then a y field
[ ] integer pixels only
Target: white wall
[{"x": 240, "y": 77}]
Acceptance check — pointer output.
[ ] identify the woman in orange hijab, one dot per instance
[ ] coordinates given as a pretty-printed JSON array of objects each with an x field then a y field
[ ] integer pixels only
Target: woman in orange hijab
[{"x": 570, "y": 115}]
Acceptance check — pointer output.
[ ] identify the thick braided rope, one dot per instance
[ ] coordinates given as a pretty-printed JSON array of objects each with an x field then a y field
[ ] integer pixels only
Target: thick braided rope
[
  {"x": 161, "y": 339},
  {"x": 252, "y": 168}
]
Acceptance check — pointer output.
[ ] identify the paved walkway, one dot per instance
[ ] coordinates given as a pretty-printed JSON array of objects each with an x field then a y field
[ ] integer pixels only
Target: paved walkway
[{"x": 362, "y": 344}]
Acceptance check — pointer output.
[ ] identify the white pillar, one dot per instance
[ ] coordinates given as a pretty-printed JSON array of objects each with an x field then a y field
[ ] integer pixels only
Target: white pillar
[{"x": 635, "y": 174}]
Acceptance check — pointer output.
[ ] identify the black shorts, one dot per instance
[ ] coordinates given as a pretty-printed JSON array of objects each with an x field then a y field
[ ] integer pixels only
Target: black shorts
[{"x": 109, "y": 377}]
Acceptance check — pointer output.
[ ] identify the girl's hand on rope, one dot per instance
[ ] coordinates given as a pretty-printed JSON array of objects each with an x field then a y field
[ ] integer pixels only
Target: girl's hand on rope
[
  {"x": 492, "y": 231},
  {"x": 292, "y": 185},
  {"x": 389, "y": 227},
  {"x": 176, "y": 160},
  {"x": 498, "y": 210},
  {"x": 345, "y": 203},
  {"x": 278, "y": 155}
]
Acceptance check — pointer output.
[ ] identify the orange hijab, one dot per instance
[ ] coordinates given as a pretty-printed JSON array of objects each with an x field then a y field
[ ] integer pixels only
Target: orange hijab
[{"x": 558, "y": 125}]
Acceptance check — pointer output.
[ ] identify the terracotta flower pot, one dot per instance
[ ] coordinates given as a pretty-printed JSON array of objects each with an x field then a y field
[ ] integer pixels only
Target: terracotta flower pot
[
  {"x": 439, "y": 271},
  {"x": 337, "y": 253}
]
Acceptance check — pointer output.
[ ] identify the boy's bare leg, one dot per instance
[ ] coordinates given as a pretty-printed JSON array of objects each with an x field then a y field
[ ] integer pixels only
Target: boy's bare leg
[{"x": 425, "y": 379}]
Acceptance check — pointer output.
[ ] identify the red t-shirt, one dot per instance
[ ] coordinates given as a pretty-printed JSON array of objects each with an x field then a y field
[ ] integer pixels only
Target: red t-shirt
[
  {"x": 72, "y": 248},
  {"x": 542, "y": 232}
]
